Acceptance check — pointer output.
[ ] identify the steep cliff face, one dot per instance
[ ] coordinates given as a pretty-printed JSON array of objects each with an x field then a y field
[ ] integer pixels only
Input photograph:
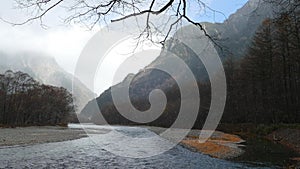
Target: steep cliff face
[
  {"x": 47, "y": 71},
  {"x": 234, "y": 35}
]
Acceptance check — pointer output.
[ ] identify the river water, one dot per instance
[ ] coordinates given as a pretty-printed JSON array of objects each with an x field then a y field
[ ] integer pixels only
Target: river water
[{"x": 84, "y": 153}]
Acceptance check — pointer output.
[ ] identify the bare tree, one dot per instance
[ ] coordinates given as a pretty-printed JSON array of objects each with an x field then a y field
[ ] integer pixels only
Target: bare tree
[
  {"x": 90, "y": 13},
  {"x": 24, "y": 101}
]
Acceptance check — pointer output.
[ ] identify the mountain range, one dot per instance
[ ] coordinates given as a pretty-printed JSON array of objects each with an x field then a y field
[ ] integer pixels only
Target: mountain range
[{"x": 233, "y": 36}]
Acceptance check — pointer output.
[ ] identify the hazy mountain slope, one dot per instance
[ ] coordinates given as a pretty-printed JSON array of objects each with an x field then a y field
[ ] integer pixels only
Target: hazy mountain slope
[
  {"x": 234, "y": 35},
  {"x": 149, "y": 79},
  {"x": 46, "y": 70}
]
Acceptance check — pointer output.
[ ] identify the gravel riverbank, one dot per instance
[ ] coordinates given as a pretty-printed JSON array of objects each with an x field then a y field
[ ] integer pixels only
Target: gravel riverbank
[{"x": 38, "y": 134}]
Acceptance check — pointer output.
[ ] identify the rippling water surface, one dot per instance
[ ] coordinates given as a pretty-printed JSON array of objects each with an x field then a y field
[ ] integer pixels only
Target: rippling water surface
[{"x": 84, "y": 153}]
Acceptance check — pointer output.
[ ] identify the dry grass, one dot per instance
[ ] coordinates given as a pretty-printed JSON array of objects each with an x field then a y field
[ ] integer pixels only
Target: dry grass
[
  {"x": 218, "y": 146},
  {"x": 209, "y": 148}
]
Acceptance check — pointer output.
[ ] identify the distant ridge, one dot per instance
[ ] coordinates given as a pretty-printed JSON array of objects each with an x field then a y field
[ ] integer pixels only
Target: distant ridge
[{"x": 46, "y": 70}]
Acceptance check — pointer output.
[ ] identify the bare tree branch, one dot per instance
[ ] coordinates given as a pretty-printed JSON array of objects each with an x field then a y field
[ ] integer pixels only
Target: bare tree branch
[
  {"x": 36, "y": 17},
  {"x": 91, "y": 13}
]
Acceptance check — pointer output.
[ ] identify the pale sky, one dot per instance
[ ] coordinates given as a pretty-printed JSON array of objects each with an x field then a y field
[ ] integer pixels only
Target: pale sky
[{"x": 65, "y": 42}]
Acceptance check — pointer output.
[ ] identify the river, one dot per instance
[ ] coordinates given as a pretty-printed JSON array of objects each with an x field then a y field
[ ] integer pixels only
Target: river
[{"x": 84, "y": 153}]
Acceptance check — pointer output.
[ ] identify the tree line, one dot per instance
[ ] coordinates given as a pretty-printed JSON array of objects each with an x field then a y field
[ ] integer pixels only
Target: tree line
[
  {"x": 264, "y": 86},
  {"x": 24, "y": 101}
]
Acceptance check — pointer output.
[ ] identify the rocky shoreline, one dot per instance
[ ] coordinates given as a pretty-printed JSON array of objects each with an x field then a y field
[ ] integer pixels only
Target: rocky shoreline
[{"x": 288, "y": 137}]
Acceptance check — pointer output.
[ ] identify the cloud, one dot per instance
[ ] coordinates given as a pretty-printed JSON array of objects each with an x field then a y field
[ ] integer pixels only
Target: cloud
[{"x": 64, "y": 44}]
